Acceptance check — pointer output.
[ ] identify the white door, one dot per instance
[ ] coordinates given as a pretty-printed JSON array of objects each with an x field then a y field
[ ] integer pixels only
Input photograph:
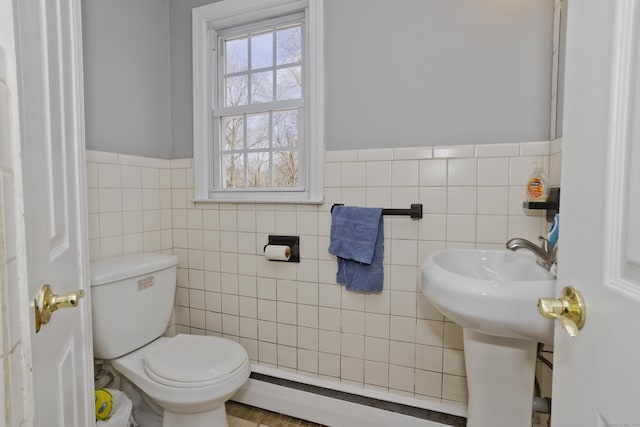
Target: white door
[
  {"x": 49, "y": 54},
  {"x": 596, "y": 376}
]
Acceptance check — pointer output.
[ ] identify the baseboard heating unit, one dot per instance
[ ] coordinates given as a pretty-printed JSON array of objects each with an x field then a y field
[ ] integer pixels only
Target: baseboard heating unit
[{"x": 342, "y": 405}]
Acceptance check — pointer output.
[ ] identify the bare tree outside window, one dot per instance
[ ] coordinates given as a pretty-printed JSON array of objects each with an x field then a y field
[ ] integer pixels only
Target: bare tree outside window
[{"x": 260, "y": 149}]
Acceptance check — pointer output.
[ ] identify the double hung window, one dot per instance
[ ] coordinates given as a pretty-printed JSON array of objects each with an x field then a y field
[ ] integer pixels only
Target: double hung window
[
  {"x": 260, "y": 114},
  {"x": 259, "y": 138}
]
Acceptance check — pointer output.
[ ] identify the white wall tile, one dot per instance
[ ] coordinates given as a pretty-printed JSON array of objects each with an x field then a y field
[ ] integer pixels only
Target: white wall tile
[
  {"x": 492, "y": 229},
  {"x": 375, "y": 154},
  {"x": 101, "y": 157},
  {"x": 131, "y": 177},
  {"x": 429, "y": 357},
  {"x": 493, "y": 171},
  {"x": 453, "y": 362},
  {"x": 132, "y": 222},
  {"x": 377, "y": 325},
  {"x": 535, "y": 148},
  {"x": 93, "y": 200},
  {"x": 378, "y": 174},
  {"x": 453, "y": 151},
  {"x": 332, "y": 174},
  {"x": 404, "y": 197},
  {"x": 377, "y": 349},
  {"x": 404, "y": 173},
  {"x": 307, "y": 360},
  {"x": 91, "y": 169},
  {"x": 402, "y": 353},
  {"x": 110, "y": 224},
  {"x": 454, "y": 388},
  {"x": 340, "y": 156},
  {"x": 376, "y": 373},
  {"x": 132, "y": 199},
  {"x": 403, "y": 303},
  {"x": 403, "y": 278},
  {"x": 294, "y": 316},
  {"x": 461, "y": 228},
  {"x": 403, "y": 328},
  {"x": 493, "y": 200},
  {"x": 352, "y": 369},
  {"x": 428, "y": 383},
  {"x": 462, "y": 172},
  {"x": 433, "y": 172},
  {"x": 433, "y": 199},
  {"x": 329, "y": 365},
  {"x": 150, "y": 177},
  {"x": 453, "y": 336},
  {"x": 110, "y": 199},
  {"x": 498, "y": 150},
  {"x": 412, "y": 153},
  {"x": 109, "y": 176},
  {"x": 461, "y": 200},
  {"x": 126, "y": 159},
  {"x": 353, "y": 174},
  {"x": 401, "y": 378},
  {"x": 352, "y": 345}
]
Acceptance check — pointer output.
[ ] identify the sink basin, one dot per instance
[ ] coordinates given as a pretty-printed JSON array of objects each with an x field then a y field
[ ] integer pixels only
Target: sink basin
[
  {"x": 493, "y": 295},
  {"x": 490, "y": 291}
]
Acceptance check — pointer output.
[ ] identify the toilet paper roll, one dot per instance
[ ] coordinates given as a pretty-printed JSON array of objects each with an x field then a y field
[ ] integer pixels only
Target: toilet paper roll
[{"x": 277, "y": 252}]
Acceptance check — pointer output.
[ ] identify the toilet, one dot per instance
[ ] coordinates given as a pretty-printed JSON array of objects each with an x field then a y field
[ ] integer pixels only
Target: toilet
[{"x": 189, "y": 376}]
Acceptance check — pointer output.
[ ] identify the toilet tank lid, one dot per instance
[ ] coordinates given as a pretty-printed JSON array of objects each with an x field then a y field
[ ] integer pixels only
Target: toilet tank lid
[{"x": 123, "y": 267}]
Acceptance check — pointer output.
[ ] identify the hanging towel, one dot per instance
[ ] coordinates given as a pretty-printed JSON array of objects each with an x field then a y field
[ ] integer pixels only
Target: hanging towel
[{"x": 357, "y": 239}]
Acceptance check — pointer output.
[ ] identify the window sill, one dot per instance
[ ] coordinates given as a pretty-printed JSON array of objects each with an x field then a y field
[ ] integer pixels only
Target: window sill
[{"x": 272, "y": 200}]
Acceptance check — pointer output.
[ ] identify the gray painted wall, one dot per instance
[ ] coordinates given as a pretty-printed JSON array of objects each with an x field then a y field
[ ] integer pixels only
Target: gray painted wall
[
  {"x": 398, "y": 73},
  {"x": 181, "y": 76},
  {"x": 437, "y": 72},
  {"x": 126, "y": 74}
]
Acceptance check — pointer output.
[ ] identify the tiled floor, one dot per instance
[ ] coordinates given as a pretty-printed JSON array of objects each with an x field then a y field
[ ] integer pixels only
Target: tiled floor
[{"x": 240, "y": 415}]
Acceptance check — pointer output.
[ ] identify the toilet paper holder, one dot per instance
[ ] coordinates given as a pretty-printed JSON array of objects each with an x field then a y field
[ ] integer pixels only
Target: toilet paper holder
[{"x": 292, "y": 241}]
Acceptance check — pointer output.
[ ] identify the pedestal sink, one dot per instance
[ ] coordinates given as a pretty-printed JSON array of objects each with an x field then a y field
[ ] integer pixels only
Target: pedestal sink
[{"x": 493, "y": 295}]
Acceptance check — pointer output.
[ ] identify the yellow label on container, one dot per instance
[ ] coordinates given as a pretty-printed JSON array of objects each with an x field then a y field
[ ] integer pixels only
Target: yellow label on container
[{"x": 535, "y": 189}]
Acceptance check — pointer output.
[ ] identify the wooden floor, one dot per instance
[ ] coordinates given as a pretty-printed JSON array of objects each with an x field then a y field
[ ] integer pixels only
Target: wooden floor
[{"x": 240, "y": 415}]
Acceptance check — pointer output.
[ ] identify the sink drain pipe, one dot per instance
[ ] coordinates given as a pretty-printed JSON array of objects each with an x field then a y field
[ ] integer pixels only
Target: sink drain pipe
[{"x": 542, "y": 405}]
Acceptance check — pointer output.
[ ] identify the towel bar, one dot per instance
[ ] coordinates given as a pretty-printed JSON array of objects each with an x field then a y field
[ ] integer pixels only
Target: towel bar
[{"x": 414, "y": 212}]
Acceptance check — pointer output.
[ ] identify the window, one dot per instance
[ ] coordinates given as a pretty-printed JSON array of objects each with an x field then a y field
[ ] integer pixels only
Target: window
[{"x": 258, "y": 101}]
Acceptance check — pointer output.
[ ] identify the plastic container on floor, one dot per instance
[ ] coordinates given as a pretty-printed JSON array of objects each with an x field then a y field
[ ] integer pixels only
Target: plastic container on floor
[{"x": 120, "y": 412}]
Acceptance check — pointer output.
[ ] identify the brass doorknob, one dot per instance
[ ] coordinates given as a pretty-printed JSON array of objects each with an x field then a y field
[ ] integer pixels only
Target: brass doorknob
[
  {"x": 46, "y": 302},
  {"x": 569, "y": 309}
]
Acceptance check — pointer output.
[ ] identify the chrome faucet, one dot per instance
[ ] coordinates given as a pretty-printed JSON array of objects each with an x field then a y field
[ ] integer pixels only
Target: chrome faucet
[{"x": 545, "y": 253}]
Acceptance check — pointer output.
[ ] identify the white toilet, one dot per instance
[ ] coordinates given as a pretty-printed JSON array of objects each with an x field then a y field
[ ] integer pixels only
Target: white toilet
[{"x": 189, "y": 376}]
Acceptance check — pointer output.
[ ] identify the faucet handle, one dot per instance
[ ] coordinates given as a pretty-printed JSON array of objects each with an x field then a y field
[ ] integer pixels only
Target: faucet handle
[{"x": 546, "y": 245}]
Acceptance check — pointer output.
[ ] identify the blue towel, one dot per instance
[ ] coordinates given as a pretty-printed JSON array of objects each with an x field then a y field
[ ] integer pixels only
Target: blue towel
[{"x": 357, "y": 239}]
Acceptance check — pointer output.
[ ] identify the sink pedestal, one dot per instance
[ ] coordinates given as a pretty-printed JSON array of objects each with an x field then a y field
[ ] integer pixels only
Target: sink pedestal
[{"x": 500, "y": 377}]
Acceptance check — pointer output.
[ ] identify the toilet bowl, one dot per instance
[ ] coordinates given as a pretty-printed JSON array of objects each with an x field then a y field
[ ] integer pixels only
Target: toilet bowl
[{"x": 189, "y": 376}]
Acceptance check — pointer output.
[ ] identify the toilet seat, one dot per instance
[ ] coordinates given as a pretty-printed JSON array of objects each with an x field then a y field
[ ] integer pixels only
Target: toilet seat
[{"x": 189, "y": 361}]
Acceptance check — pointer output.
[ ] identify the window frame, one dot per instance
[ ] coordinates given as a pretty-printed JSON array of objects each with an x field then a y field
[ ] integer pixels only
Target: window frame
[{"x": 207, "y": 21}]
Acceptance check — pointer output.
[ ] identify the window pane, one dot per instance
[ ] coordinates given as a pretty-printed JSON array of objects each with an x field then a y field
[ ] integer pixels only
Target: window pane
[
  {"x": 262, "y": 87},
  {"x": 262, "y": 51},
  {"x": 289, "y": 83},
  {"x": 285, "y": 169},
  {"x": 236, "y": 91},
  {"x": 233, "y": 128},
  {"x": 258, "y": 170},
  {"x": 233, "y": 173},
  {"x": 285, "y": 128},
  {"x": 257, "y": 131},
  {"x": 288, "y": 45},
  {"x": 236, "y": 55}
]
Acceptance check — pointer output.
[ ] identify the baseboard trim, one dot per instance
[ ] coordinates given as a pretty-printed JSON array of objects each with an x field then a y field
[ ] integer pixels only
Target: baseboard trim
[{"x": 336, "y": 408}]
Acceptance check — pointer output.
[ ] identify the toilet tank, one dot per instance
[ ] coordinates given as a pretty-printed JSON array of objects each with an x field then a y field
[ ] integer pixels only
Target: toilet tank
[{"x": 131, "y": 301}]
